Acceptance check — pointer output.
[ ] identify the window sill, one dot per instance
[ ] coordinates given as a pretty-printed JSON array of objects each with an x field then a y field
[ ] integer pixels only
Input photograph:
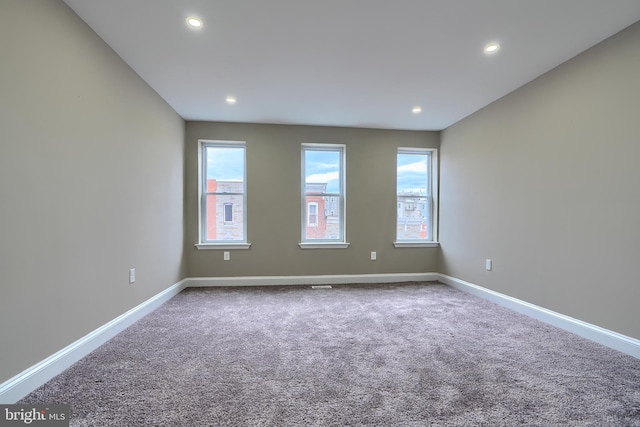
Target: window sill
[
  {"x": 226, "y": 246},
  {"x": 416, "y": 244},
  {"x": 323, "y": 245}
]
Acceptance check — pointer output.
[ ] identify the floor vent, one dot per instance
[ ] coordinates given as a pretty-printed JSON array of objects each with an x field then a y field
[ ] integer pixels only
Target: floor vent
[{"x": 321, "y": 287}]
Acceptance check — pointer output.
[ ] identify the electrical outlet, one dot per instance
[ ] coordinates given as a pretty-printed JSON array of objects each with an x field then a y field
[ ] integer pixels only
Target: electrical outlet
[
  {"x": 373, "y": 256},
  {"x": 227, "y": 255},
  {"x": 488, "y": 264},
  {"x": 132, "y": 275}
]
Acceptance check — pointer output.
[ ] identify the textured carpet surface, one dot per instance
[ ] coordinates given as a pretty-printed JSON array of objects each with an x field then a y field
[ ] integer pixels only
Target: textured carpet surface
[{"x": 355, "y": 355}]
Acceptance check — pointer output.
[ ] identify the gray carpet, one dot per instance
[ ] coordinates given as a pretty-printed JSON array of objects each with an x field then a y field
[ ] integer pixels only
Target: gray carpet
[{"x": 356, "y": 355}]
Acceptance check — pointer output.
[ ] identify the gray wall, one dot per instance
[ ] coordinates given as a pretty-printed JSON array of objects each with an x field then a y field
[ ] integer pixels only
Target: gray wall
[
  {"x": 546, "y": 182},
  {"x": 273, "y": 191},
  {"x": 91, "y": 184}
]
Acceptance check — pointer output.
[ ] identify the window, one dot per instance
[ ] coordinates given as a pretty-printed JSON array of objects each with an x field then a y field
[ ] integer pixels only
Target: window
[
  {"x": 312, "y": 214},
  {"x": 228, "y": 213},
  {"x": 416, "y": 192},
  {"x": 222, "y": 195},
  {"x": 323, "y": 201}
]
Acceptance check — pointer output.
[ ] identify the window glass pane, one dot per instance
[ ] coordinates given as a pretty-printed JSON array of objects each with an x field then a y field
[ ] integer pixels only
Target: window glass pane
[
  {"x": 413, "y": 174},
  {"x": 225, "y": 163},
  {"x": 413, "y": 218},
  {"x": 320, "y": 224},
  {"x": 223, "y": 197},
  {"x": 323, "y": 187},
  {"x": 225, "y": 217},
  {"x": 413, "y": 196},
  {"x": 322, "y": 171}
]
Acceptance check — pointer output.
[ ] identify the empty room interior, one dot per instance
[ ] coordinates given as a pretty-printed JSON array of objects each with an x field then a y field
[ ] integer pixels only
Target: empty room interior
[{"x": 117, "y": 120}]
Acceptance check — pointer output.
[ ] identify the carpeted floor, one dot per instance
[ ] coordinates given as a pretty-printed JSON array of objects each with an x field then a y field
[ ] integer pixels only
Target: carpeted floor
[{"x": 407, "y": 354}]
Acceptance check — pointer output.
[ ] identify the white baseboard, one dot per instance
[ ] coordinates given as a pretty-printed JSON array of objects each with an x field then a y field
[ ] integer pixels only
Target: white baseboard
[
  {"x": 310, "y": 280},
  {"x": 25, "y": 382},
  {"x": 595, "y": 333}
]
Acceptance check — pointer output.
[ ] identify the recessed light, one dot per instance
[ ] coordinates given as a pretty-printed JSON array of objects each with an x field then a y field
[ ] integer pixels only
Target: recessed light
[
  {"x": 231, "y": 100},
  {"x": 194, "y": 22},
  {"x": 416, "y": 110},
  {"x": 492, "y": 48}
]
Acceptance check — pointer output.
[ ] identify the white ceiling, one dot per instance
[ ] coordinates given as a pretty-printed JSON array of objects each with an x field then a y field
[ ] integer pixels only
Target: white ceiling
[{"x": 360, "y": 63}]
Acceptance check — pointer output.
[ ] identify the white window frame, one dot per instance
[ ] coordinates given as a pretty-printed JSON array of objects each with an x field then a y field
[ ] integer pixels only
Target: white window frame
[
  {"x": 432, "y": 200},
  {"x": 339, "y": 243},
  {"x": 202, "y": 194}
]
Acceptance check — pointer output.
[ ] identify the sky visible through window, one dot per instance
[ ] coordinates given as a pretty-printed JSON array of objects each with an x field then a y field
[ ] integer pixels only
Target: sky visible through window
[
  {"x": 225, "y": 163},
  {"x": 412, "y": 173},
  {"x": 323, "y": 167}
]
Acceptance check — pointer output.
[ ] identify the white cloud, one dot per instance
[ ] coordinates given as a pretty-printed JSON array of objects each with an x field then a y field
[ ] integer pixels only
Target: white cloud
[
  {"x": 321, "y": 165},
  {"x": 323, "y": 177},
  {"x": 414, "y": 167}
]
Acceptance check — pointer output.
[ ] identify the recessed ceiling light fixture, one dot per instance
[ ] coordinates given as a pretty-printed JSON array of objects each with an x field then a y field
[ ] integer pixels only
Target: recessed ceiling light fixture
[
  {"x": 492, "y": 48},
  {"x": 416, "y": 110},
  {"x": 194, "y": 22},
  {"x": 231, "y": 100}
]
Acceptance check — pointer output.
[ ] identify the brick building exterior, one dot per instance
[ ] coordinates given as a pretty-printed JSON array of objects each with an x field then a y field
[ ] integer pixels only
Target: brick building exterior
[
  {"x": 322, "y": 213},
  {"x": 225, "y": 212}
]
